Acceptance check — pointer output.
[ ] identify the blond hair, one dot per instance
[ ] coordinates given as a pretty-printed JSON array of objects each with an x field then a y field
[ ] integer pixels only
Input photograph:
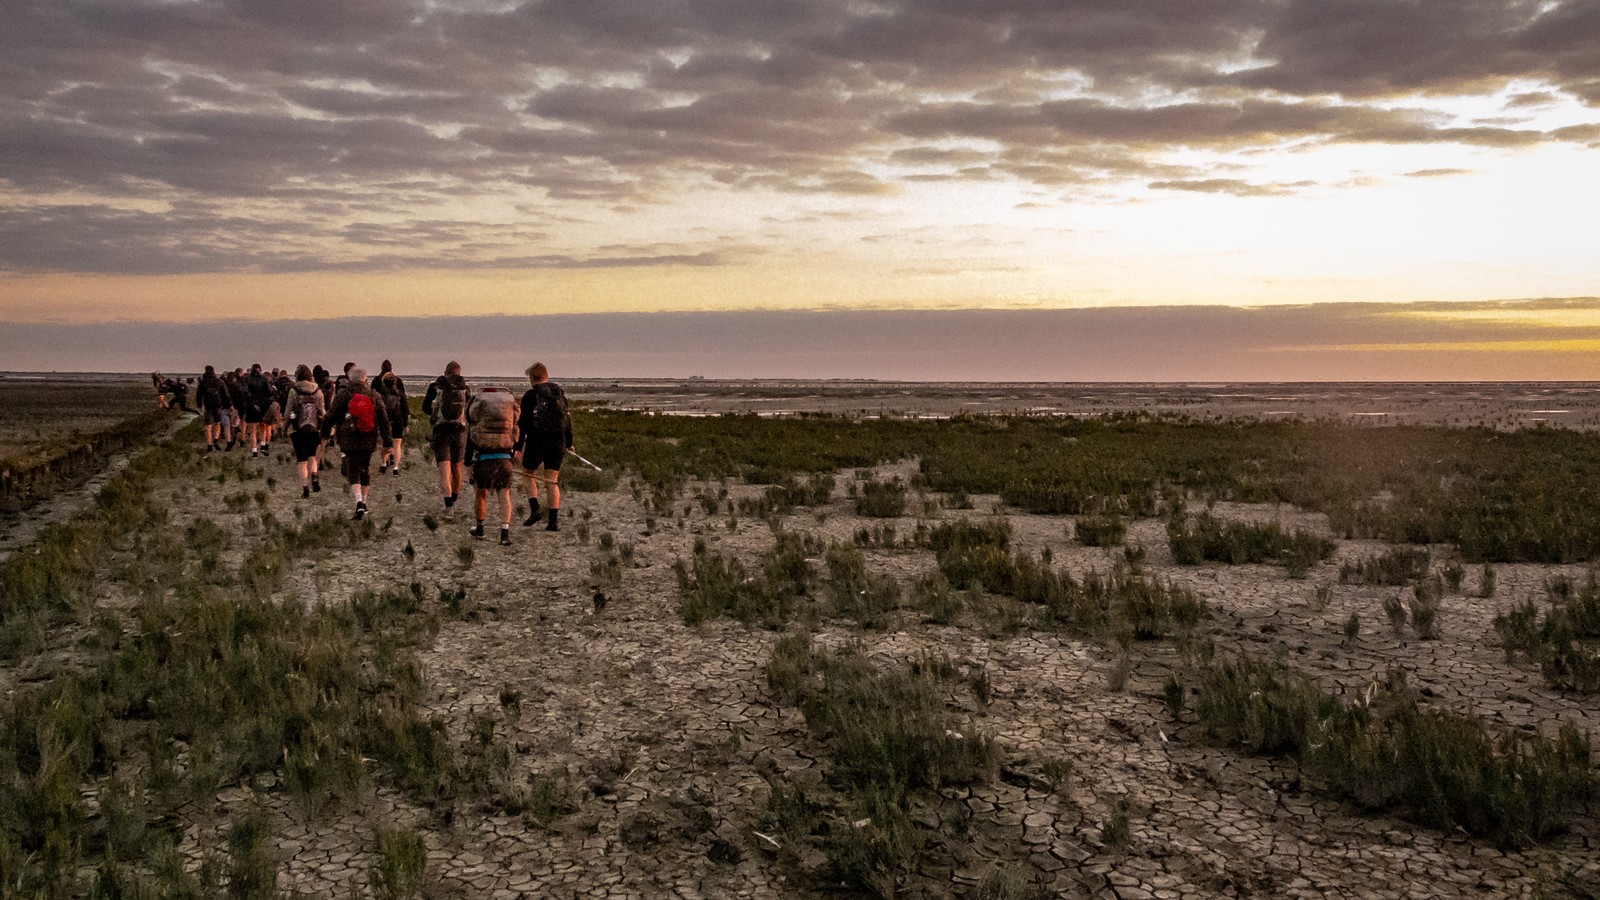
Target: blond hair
[{"x": 537, "y": 373}]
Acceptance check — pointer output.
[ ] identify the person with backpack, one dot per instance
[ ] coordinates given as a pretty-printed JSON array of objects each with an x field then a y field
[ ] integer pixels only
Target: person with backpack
[
  {"x": 356, "y": 415},
  {"x": 258, "y": 397},
  {"x": 234, "y": 382},
  {"x": 398, "y": 408},
  {"x": 445, "y": 405},
  {"x": 306, "y": 409},
  {"x": 492, "y": 433},
  {"x": 545, "y": 437},
  {"x": 212, "y": 396}
]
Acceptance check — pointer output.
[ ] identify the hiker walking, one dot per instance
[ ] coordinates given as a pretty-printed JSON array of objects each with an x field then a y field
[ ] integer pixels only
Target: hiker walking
[
  {"x": 398, "y": 408},
  {"x": 546, "y": 436},
  {"x": 445, "y": 405},
  {"x": 212, "y": 396},
  {"x": 258, "y": 397},
  {"x": 362, "y": 428},
  {"x": 492, "y": 431},
  {"x": 306, "y": 410},
  {"x": 233, "y": 382}
]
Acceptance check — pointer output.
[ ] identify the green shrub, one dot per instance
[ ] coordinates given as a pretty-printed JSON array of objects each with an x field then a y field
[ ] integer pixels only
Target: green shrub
[
  {"x": 882, "y": 499},
  {"x": 400, "y": 865},
  {"x": 1208, "y": 539},
  {"x": 1100, "y": 531},
  {"x": 1442, "y": 769},
  {"x": 1397, "y": 567}
]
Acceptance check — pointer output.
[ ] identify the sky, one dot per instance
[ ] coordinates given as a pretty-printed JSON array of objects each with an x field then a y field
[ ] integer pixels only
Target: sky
[{"x": 794, "y": 169}]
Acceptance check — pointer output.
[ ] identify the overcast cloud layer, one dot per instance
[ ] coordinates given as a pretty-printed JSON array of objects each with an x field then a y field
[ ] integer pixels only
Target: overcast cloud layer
[
  {"x": 1525, "y": 340},
  {"x": 205, "y": 136}
]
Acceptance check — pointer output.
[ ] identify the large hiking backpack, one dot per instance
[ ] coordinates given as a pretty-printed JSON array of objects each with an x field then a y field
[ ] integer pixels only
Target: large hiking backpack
[
  {"x": 450, "y": 405},
  {"x": 550, "y": 410},
  {"x": 212, "y": 393},
  {"x": 362, "y": 413},
  {"x": 304, "y": 409},
  {"x": 492, "y": 425},
  {"x": 395, "y": 406}
]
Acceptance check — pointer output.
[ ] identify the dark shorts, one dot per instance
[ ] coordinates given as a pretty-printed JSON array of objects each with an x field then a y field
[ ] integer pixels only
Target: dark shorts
[
  {"x": 450, "y": 446},
  {"x": 212, "y": 416},
  {"x": 253, "y": 416},
  {"x": 306, "y": 441},
  {"x": 357, "y": 466},
  {"x": 543, "y": 453},
  {"x": 492, "y": 474}
]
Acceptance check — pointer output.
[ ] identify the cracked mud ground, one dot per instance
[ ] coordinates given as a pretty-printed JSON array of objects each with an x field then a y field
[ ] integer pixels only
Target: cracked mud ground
[{"x": 670, "y": 734}]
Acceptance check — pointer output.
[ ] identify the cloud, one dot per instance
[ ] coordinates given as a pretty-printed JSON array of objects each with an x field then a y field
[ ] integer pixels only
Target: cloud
[
  {"x": 409, "y": 111},
  {"x": 1341, "y": 342}
]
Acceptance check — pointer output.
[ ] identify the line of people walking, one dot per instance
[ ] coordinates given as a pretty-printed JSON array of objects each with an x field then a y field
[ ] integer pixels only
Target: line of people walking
[{"x": 489, "y": 430}]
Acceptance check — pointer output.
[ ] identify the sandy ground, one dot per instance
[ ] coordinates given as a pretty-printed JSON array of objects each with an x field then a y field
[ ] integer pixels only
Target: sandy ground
[{"x": 669, "y": 731}]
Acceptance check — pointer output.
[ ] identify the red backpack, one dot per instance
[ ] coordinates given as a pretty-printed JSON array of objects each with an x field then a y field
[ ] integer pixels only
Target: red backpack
[{"x": 361, "y": 412}]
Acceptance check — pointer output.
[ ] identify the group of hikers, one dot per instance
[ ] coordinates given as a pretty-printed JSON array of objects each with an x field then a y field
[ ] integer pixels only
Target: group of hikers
[{"x": 488, "y": 429}]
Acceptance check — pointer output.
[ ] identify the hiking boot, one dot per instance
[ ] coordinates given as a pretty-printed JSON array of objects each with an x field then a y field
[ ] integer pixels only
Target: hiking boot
[
  {"x": 305, "y": 492},
  {"x": 505, "y": 535},
  {"x": 316, "y": 486},
  {"x": 476, "y": 531},
  {"x": 396, "y": 471},
  {"x": 533, "y": 517},
  {"x": 361, "y": 510},
  {"x": 254, "y": 453},
  {"x": 450, "y": 501},
  {"x": 383, "y": 467},
  {"x": 555, "y": 524}
]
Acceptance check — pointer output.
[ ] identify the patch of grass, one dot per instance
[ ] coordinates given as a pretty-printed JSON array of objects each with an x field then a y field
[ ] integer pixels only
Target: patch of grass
[
  {"x": 1439, "y": 768},
  {"x": 400, "y": 863},
  {"x": 711, "y": 585},
  {"x": 1395, "y": 567},
  {"x": 1565, "y": 643},
  {"x": 1100, "y": 530},
  {"x": 1208, "y": 539},
  {"x": 882, "y": 499},
  {"x": 867, "y": 597}
]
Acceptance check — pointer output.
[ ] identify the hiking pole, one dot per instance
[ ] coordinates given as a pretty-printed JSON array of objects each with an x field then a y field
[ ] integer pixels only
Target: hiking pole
[{"x": 574, "y": 454}]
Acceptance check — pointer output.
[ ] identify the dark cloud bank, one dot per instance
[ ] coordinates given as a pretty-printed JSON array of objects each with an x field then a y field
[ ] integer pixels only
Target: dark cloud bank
[
  {"x": 238, "y": 135},
  {"x": 1304, "y": 343}
]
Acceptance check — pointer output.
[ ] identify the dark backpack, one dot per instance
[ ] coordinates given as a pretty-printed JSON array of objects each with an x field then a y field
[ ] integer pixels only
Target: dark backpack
[
  {"x": 395, "y": 406},
  {"x": 450, "y": 406},
  {"x": 550, "y": 410},
  {"x": 362, "y": 413},
  {"x": 305, "y": 409}
]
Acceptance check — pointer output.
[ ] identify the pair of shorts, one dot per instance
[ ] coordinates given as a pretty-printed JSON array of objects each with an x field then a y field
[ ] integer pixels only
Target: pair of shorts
[
  {"x": 307, "y": 442},
  {"x": 543, "y": 453},
  {"x": 253, "y": 416},
  {"x": 357, "y": 467},
  {"x": 450, "y": 446},
  {"x": 230, "y": 417},
  {"x": 212, "y": 416},
  {"x": 492, "y": 474}
]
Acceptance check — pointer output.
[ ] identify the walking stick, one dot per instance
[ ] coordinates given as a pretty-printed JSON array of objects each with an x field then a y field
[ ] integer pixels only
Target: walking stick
[{"x": 575, "y": 456}]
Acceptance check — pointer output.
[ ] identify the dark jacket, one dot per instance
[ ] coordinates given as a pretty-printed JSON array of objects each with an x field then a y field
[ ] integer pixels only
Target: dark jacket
[
  {"x": 533, "y": 433},
  {"x": 340, "y": 421},
  {"x": 211, "y": 392},
  {"x": 258, "y": 391},
  {"x": 393, "y": 391},
  {"x": 431, "y": 398},
  {"x": 236, "y": 396}
]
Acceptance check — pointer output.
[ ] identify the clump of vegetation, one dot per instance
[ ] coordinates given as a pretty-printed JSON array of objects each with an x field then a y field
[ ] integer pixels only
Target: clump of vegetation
[
  {"x": 1396, "y": 567},
  {"x": 882, "y": 499},
  {"x": 895, "y": 740},
  {"x": 1208, "y": 539},
  {"x": 400, "y": 864},
  {"x": 1387, "y": 752},
  {"x": 712, "y": 585},
  {"x": 1565, "y": 643},
  {"x": 865, "y": 596},
  {"x": 1107, "y": 530}
]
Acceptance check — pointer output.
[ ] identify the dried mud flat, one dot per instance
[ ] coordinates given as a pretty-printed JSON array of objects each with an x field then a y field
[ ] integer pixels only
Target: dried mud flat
[{"x": 670, "y": 732}]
